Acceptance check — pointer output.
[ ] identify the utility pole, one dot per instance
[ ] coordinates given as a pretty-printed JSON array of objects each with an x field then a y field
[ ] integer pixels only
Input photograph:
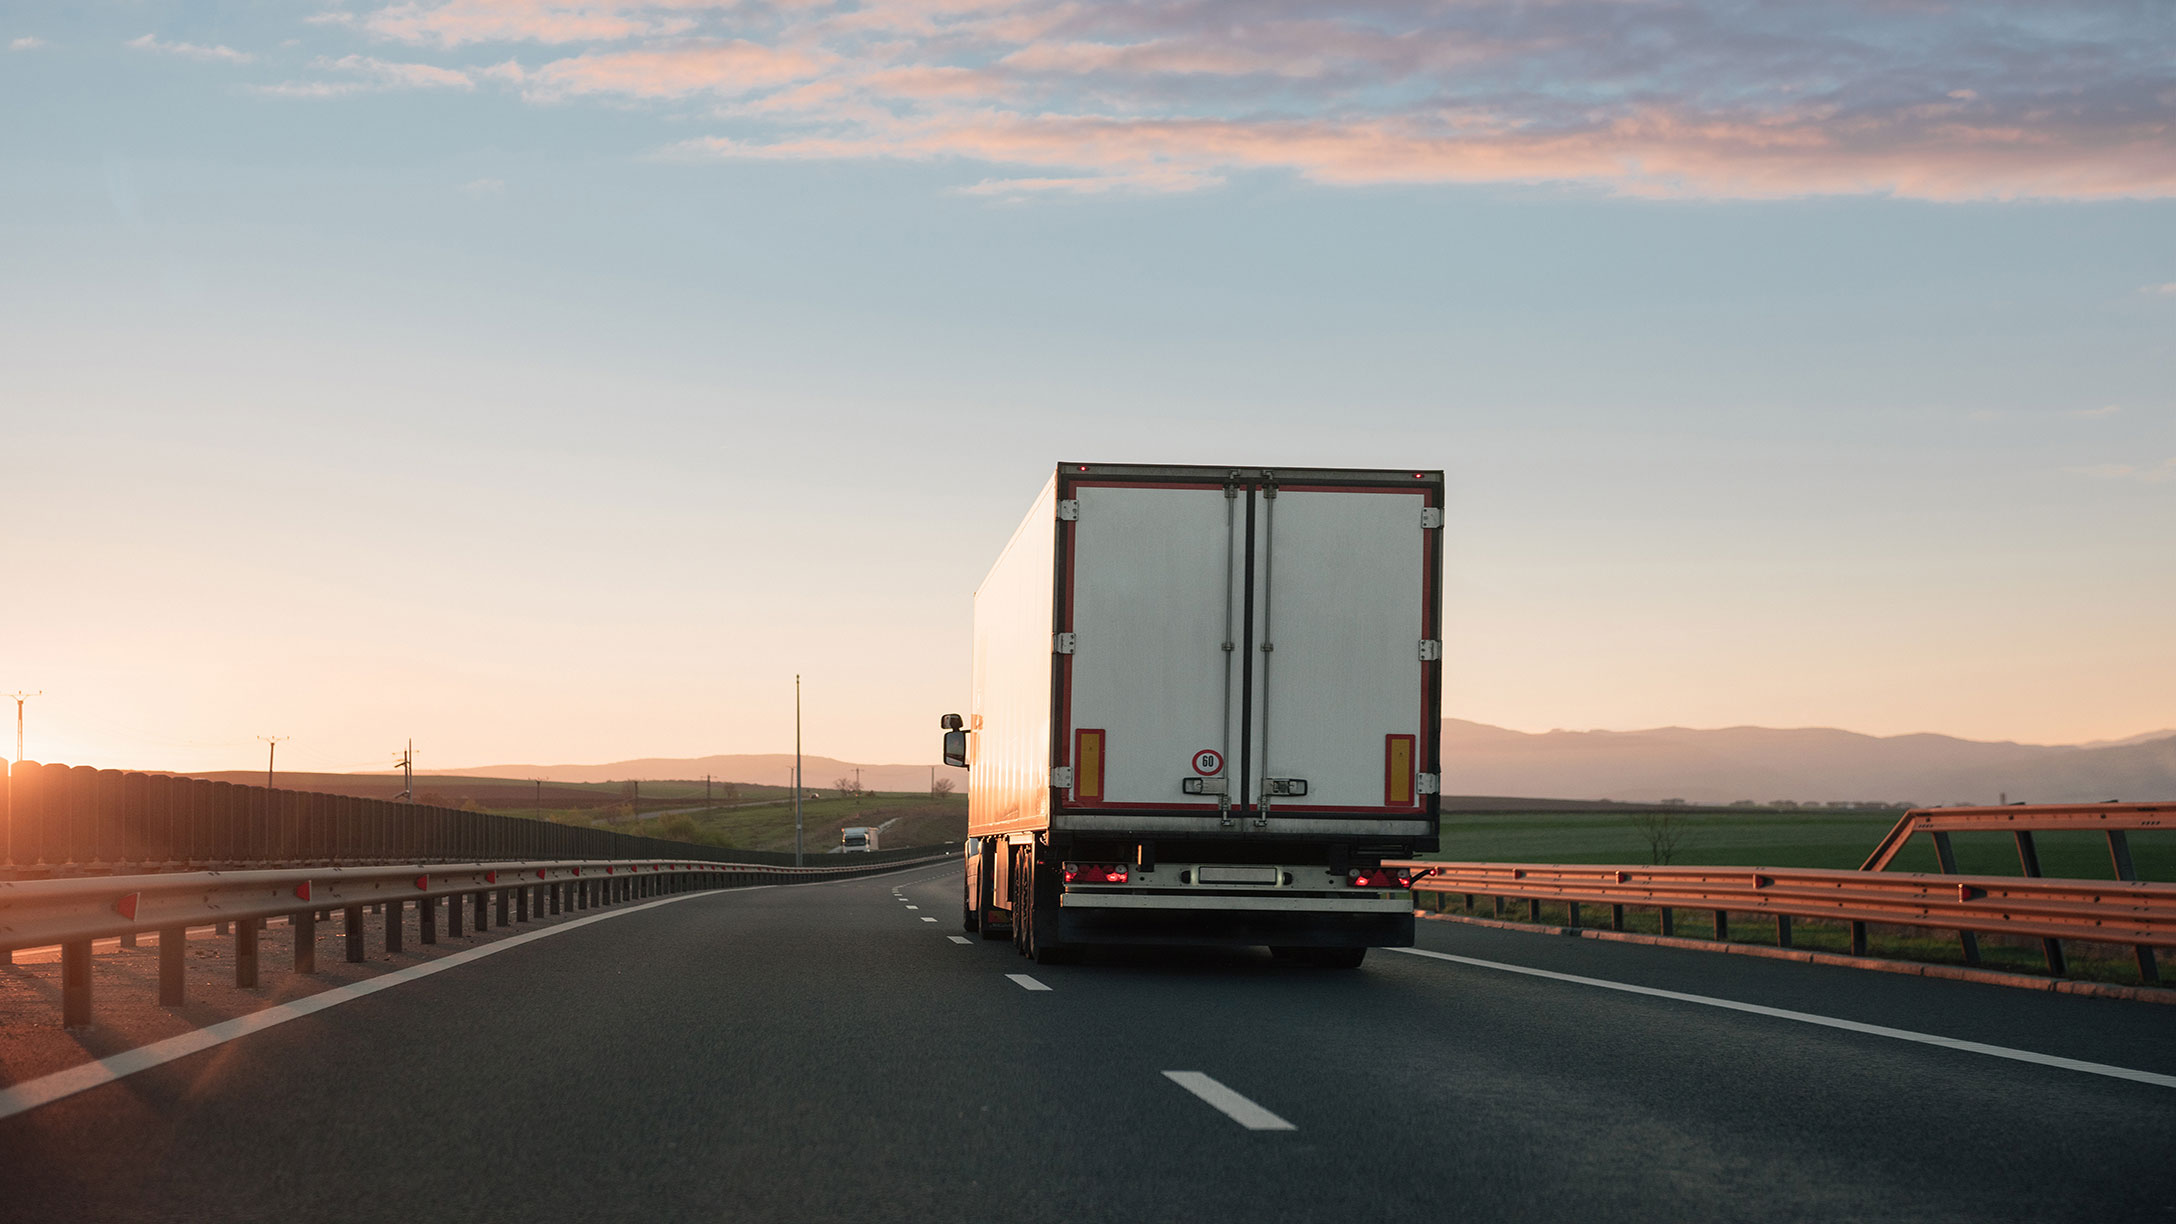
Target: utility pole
[
  {"x": 271, "y": 747},
  {"x": 539, "y": 798},
  {"x": 797, "y": 770},
  {"x": 408, "y": 773},
  {"x": 20, "y": 698},
  {"x": 706, "y": 790}
]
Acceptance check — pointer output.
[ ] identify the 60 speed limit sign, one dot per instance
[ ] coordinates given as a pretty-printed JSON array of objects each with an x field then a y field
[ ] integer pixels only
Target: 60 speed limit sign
[{"x": 1208, "y": 762}]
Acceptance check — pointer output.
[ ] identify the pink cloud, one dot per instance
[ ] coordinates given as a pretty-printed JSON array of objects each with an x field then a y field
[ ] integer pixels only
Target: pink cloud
[
  {"x": 725, "y": 68},
  {"x": 1664, "y": 98}
]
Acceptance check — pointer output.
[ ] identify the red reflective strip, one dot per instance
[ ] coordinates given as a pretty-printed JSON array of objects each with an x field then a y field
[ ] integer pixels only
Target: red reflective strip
[
  {"x": 1088, "y": 765},
  {"x": 126, "y": 906},
  {"x": 1397, "y": 771},
  {"x": 423, "y": 882},
  {"x": 302, "y": 891}
]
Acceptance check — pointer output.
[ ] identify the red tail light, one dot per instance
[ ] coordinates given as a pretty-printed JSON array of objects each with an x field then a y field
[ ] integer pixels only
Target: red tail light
[
  {"x": 1379, "y": 877},
  {"x": 1095, "y": 873}
]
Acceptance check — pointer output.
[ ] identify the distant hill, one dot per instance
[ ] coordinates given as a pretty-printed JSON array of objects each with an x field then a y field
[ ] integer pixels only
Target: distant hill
[
  {"x": 763, "y": 769},
  {"x": 1807, "y": 765}
]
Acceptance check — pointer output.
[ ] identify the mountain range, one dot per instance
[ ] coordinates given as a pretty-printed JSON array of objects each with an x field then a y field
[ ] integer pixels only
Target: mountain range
[{"x": 1723, "y": 765}]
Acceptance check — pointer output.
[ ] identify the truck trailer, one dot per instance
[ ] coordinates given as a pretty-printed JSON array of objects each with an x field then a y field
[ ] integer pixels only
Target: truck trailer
[{"x": 1207, "y": 708}]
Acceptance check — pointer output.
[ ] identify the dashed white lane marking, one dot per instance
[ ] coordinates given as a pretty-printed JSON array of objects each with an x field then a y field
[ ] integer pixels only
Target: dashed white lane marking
[
  {"x": 959, "y": 939},
  {"x": 928, "y": 919},
  {"x": 1849, "y": 1026},
  {"x": 1238, "y": 1108},
  {"x": 1024, "y": 982},
  {"x": 48, "y": 1088}
]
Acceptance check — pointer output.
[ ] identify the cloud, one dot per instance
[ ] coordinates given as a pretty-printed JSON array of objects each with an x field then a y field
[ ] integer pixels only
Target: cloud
[
  {"x": 1749, "y": 99},
  {"x": 2167, "y": 290},
  {"x": 2105, "y": 410},
  {"x": 483, "y": 187},
  {"x": 369, "y": 75},
  {"x": 191, "y": 50},
  {"x": 28, "y": 42},
  {"x": 2153, "y": 474},
  {"x": 726, "y": 67}
]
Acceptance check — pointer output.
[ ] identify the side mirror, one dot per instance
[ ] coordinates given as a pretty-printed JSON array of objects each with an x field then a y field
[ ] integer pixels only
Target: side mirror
[
  {"x": 951, "y": 722},
  {"x": 955, "y": 749}
]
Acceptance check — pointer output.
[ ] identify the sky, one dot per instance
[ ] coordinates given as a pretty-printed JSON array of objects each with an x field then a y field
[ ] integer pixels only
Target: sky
[{"x": 554, "y": 381}]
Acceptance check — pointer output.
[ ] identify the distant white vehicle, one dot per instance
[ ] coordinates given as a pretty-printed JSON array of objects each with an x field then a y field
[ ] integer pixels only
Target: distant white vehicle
[{"x": 859, "y": 839}]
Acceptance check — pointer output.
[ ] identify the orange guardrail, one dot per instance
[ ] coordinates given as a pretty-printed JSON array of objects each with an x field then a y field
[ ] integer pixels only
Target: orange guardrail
[
  {"x": 2024, "y": 820},
  {"x": 2105, "y": 911}
]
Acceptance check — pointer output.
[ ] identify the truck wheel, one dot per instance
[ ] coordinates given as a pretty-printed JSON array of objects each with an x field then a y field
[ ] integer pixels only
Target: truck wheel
[{"x": 1339, "y": 958}]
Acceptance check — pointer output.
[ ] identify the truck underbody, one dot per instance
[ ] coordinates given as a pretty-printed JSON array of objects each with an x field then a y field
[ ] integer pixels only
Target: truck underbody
[{"x": 1323, "y": 902}]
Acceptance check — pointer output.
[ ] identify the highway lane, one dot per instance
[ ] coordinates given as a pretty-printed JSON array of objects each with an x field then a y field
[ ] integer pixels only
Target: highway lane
[{"x": 822, "y": 1052}]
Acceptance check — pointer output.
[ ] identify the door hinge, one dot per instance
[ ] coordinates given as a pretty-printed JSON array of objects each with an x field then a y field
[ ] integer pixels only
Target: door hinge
[
  {"x": 1430, "y": 650},
  {"x": 1062, "y": 777},
  {"x": 1431, "y": 516},
  {"x": 1427, "y": 785},
  {"x": 1062, "y": 643},
  {"x": 1069, "y": 510}
]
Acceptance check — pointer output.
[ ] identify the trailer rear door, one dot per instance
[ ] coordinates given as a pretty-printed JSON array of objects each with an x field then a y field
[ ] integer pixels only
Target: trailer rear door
[
  {"x": 1341, "y": 696},
  {"x": 1153, "y": 601}
]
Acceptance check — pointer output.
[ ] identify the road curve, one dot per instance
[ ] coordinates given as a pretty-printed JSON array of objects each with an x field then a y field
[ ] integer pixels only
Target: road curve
[{"x": 824, "y": 1052}]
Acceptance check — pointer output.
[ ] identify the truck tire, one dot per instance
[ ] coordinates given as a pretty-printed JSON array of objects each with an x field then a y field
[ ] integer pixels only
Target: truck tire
[
  {"x": 970, "y": 913},
  {"x": 1042, "y": 915}
]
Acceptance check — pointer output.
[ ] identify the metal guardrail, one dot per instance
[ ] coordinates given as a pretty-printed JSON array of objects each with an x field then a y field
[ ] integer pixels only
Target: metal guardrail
[
  {"x": 73, "y": 912},
  {"x": 2105, "y": 911},
  {"x": 58, "y": 820},
  {"x": 2023, "y": 820}
]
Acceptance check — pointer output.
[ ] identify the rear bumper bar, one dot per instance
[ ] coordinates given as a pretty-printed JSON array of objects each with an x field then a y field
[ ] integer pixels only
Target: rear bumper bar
[{"x": 1217, "y": 921}]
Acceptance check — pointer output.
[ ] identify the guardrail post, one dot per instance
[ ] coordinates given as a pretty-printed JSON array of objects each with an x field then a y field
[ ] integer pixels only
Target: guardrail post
[
  {"x": 75, "y": 983},
  {"x": 2056, "y": 964},
  {"x": 2119, "y": 853},
  {"x": 427, "y": 920},
  {"x": 1946, "y": 859},
  {"x": 551, "y": 899},
  {"x": 1722, "y": 926},
  {"x": 1783, "y": 930},
  {"x": 483, "y": 912},
  {"x": 1616, "y": 917},
  {"x": 245, "y": 952},
  {"x": 1496, "y": 907},
  {"x": 173, "y": 962},
  {"x": 502, "y": 899},
  {"x": 453, "y": 915},
  {"x": 394, "y": 920},
  {"x": 521, "y": 904},
  {"x": 1669, "y": 921},
  {"x": 1858, "y": 939},
  {"x": 351, "y": 925},
  {"x": 304, "y": 925},
  {"x": 2028, "y": 858},
  {"x": 1533, "y": 909}
]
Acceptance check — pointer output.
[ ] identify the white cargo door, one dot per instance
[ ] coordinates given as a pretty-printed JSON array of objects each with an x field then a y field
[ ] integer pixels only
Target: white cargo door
[
  {"x": 1340, "y": 685},
  {"x": 1153, "y": 601}
]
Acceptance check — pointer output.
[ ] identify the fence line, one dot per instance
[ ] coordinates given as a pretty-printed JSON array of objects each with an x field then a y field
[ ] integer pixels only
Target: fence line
[{"x": 60, "y": 820}]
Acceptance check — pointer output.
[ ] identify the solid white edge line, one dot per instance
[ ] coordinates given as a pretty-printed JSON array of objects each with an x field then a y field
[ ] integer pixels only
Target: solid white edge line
[
  {"x": 1238, "y": 1108},
  {"x": 46, "y": 1089},
  {"x": 1849, "y": 1026},
  {"x": 1024, "y": 982}
]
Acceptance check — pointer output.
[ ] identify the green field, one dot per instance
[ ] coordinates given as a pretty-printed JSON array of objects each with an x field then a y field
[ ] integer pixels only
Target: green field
[
  {"x": 763, "y": 817},
  {"x": 1780, "y": 839}
]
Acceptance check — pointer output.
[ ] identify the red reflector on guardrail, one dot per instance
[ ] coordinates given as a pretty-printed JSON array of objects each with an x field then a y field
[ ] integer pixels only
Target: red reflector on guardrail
[
  {"x": 302, "y": 891},
  {"x": 126, "y": 906},
  {"x": 423, "y": 881},
  {"x": 491, "y": 877},
  {"x": 540, "y": 873}
]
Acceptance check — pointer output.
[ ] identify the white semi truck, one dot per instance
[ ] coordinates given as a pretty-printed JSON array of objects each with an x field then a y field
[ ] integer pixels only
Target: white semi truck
[{"x": 1207, "y": 707}]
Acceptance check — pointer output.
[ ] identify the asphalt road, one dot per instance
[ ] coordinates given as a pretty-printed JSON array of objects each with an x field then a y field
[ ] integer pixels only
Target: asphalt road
[{"x": 823, "y": 1053}]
